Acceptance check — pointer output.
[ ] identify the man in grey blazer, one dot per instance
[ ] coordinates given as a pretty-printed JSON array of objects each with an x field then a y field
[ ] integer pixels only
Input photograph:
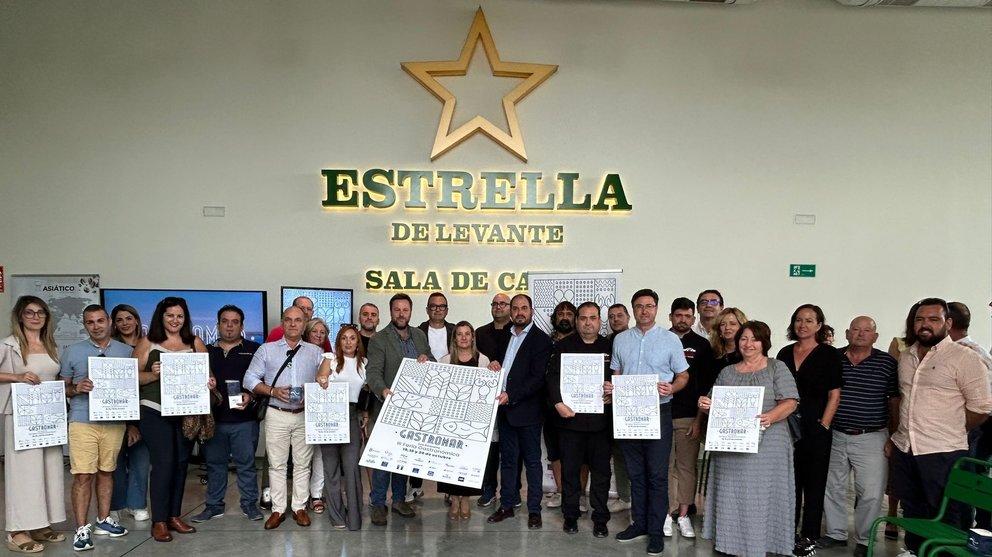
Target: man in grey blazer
[{"x": 386, "y": 350}]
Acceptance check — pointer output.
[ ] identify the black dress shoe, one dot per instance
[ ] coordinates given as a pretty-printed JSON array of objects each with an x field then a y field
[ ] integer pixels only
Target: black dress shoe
[
  {"x": 500, "y": 515},
  {"x": 534, "y": 521},
  {"x": 571, "y": 526},
  {"x": 600, "y": 530}
]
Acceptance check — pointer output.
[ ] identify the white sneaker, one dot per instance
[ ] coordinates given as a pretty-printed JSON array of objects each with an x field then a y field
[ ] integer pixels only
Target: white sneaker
[
  {"x": 583, "y": 504},
  {"x": 554, "y": 501},
  {"x": 906, "y": 553},
  {"x": 685, "y": 527},
  {"x": 618, "y": 505},
  {"x": 140, "y": 515},
  {"x": 667, "y": 529}
]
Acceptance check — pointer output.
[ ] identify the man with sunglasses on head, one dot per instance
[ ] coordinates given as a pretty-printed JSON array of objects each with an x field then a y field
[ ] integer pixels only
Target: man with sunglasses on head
[{"x": 709, "y": 304}]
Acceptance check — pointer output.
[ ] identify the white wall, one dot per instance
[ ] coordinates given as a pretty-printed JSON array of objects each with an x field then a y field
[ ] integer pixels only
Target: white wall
[{"x": 122, "y": 119}]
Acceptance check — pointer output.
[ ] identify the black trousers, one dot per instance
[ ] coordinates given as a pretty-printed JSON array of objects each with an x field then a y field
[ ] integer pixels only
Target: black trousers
[
  {"x": 919, "y": 482},
  {"x": 812, "y": 460},
  {"x": 168, "y": 453},
  {"x": 593, "y": 449}
]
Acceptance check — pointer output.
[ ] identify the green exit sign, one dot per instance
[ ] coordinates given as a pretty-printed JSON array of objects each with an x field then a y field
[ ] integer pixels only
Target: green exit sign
[{"x": 800, "y": 270}]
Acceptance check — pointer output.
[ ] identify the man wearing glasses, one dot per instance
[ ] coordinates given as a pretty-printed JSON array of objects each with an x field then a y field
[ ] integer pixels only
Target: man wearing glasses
[
  {"x": 491, "y": 339},
  {"x": 437, "y": 328},
  {"x": 93, "y": 446},
  {"x": 648, "y": 349},
  {"x": 709, "y": 304}
]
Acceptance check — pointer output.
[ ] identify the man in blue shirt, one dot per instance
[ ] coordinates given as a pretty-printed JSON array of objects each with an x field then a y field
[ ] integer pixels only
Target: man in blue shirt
[
  {"x": 648, "y": 349},
  {"x": 93, "y": 446}
]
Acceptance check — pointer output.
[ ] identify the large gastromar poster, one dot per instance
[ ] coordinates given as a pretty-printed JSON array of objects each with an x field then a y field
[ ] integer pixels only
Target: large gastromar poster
[
  {"x": 437, "y": 424},
  {"x": 66, "y": 296}
]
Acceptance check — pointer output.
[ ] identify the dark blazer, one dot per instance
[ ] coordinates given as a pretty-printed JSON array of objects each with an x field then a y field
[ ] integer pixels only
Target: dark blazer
[{"x": 526, "y": 380}]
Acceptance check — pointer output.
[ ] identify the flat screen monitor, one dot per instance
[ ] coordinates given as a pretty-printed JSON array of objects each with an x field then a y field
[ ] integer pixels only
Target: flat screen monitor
[
  {"x": 203, "y": 306},
  {"x": 333, "y": 305}
]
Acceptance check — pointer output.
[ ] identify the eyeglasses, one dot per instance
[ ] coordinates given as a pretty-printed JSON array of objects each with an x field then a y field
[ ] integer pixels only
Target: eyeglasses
[
  {"x": 436, "y": 307},
  {"x": 31, "y": 314},
  {"x": 639, "y": 307},
  {"x": 709, "y": 302},
  {"x": 504, "y": 304}
]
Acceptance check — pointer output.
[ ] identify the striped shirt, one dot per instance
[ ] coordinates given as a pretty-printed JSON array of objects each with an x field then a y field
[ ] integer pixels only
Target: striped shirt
[{"x": 868, "y": 386}]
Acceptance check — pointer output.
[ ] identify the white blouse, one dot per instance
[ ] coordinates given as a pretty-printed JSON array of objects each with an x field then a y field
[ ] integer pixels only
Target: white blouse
[{"x": 350, "y": 373}]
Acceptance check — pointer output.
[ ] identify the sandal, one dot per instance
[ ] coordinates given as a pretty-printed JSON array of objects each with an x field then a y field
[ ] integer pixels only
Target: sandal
[
  {"x": 25, "y": 547},
  {"x": 464, "y": 508},
  {"x": 317, "y": 504},
  {"x": 453, "y": 511},
  {"x": 46, "y": 535}
]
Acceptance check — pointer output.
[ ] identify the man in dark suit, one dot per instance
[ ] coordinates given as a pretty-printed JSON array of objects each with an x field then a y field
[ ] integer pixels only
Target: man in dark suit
[{"x": 522, "y": 411}]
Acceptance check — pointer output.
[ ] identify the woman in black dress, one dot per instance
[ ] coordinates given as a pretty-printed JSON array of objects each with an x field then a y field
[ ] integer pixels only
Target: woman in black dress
[
  {"x": 462, "y": 352},
  {"x": 817, "y": 369}
]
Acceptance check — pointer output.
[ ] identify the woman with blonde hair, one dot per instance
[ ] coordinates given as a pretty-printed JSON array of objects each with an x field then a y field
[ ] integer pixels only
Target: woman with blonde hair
[
  {"x": 462, "y": 352},
  {"x": 316, "y": 332},
  {"x": 34, "y": 478},
  {"x": 723, "y": 336},
  {"x": 345, "y": 365}
]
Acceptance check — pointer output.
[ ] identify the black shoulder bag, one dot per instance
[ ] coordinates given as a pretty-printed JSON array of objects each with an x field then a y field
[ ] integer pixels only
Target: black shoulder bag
[{"x": 262, "y": 402}]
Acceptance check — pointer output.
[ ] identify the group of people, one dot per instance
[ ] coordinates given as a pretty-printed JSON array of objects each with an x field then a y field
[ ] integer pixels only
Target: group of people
[{"x": 896, "y": 421}]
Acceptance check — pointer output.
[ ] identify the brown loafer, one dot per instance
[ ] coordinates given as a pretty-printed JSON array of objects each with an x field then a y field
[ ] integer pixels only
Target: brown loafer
[
  {"x": 302, "y": 518},
  {"x": 275, "y": 519},
  {"x": 500, "y": 515},
  {"x": 177, "y": 525},
  {"x": 160, "y": 532}
]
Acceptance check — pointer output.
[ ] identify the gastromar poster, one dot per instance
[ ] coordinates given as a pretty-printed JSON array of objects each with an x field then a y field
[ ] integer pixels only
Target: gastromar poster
[{"x": 437, "y": 424}]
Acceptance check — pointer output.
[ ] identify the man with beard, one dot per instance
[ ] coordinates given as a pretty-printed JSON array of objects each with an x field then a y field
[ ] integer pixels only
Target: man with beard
[
  {"x": 521, "y": 411},
  {"x": 491, "y": 339},
  {"x": 368, "y": 320},
  {"x": 945, "y": 393},
  {"x": 687, "y": 420},
  {"x": 386, "y": 351},
  {"x": 563, "y": 322},
  {"x": 585, "y": 438}
]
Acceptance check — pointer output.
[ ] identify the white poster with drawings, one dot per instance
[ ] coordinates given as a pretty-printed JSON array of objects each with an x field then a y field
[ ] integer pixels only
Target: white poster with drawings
[
  {"x": 115, "y": 389},
  {"x": 636, "y": 410},
  {"x": 733, "y": 424},
  {"x": 40, "y": 418},
  {"x": 184, "y": 380},
  {"x": 325, "y": 413},
  {"x": 582, "y": 382},
  {"x": 549, "y": 288},
  {"x": 437, "y": 424}
]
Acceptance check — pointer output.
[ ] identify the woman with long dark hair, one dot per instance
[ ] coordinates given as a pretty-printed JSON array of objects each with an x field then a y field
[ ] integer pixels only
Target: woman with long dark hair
[
  {"x": 345, "y": 365},
  {"x": 131, "y": 475},
  {"x": 33, "y": 478},
  {"x": 169, "y": 331},
  {"x": 817, "y": 368}
]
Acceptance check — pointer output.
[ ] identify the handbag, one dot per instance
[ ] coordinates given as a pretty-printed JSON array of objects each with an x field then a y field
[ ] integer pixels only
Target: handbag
[
  {"x": 199, "y": 427},
  {"x": 795, "y": 426},
  {"x": 262, "y": 402}
]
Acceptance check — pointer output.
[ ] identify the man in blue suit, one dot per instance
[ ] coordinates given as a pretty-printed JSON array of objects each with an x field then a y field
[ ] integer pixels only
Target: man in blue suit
[{"x": 521, "y": 413}]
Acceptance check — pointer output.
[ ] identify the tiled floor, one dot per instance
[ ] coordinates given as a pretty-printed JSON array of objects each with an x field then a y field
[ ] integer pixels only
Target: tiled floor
[{"x": 430, "y": 533}]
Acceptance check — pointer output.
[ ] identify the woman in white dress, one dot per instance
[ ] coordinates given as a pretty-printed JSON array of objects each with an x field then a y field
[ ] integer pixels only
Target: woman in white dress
[{"x": 34, "y": 478}]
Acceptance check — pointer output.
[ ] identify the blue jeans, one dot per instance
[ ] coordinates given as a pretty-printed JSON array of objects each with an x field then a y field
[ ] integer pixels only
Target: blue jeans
[
  {"x": 381, "y": 481},
  {"x": 237, "y": 440},
  {"x": 517, "y": 443},
  {"x": 647, "y": 466},
  {"x": 131, "y": 477}
]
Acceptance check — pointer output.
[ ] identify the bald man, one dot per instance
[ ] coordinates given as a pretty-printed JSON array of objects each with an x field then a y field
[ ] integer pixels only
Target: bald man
[{"x": 869, "y": 396}]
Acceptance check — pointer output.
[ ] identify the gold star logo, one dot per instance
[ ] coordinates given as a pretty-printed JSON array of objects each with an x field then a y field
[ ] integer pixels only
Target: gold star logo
[{"x": 532, "y": 74}]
